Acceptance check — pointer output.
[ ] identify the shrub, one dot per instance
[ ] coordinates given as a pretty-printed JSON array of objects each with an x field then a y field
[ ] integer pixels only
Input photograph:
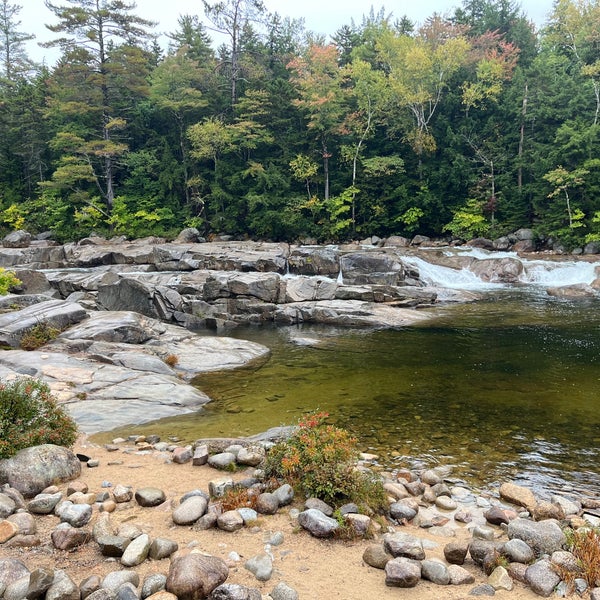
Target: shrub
[
  {"x": 7, "y": 280},
  {"x": 171, "y": 360},
  {"x": 584, "y": 544},
  {"x": 38, "y": 335},
  {"x": 320, "y": 460},
  {"x": 29, "y": 416},
  {"x": 238, "y": 497}
]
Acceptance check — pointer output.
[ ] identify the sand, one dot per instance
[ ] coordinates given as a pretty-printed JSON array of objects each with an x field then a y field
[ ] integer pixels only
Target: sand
[{"x": 317, "y": 569}]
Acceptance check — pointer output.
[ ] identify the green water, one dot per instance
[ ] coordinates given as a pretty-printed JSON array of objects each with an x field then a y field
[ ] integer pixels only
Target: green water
[{"x": 503, "y": 388}]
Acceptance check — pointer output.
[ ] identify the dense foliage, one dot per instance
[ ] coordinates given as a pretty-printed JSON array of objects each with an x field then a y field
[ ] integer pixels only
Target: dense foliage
[
  {"x": 29, "y": 416},
  {"x": 476, "y": 124}
]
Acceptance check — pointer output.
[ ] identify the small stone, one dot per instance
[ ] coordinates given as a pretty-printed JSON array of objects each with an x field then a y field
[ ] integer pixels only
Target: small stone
[
  {"x": 112, "y": 545},
  {"x": 62, "y": 588},
  {"x": 517, "y": 494},
  {"x": 162, "y": 548},
  {"x": 460, "y": 576},
  {"x": 284, "y": 494},
  {"x": 402, "y": 512},
  {"x": 282, "y": 591},
  {"x": 122, "y": 493},
  {"x": 40, "y": 581},
  {"x": 445, "y": 503},
  {"x": 319, "y": 505},
  {"x": 190, "y": 510},
  {"x": 403, "y": 544},
  {"x": 360, "y": 523},
  {"x": 517, "y": 551},
  {"x": 546, "y": 510},
  {"x": 25, "y": 522},
  {"x": 114, "y": 580},
  {"x": 435, "y": 570},
  {"x": 456, "y": 552},
  {"x": 149, "y": 496},
  {"x": 542, "y": 578},
  {"x": 182, "y": 455},
  {"x": 137, "y": 551},
  {"x": 483, "y": 589},
  {"x": 251, "y": 457},
  {"x": 376, "y": 556},
  {"x": 7, "y": 530},
  {"x": 260, "y": 566},
  {"x": 223, "y": 460},
  {"x": 200, "y": 456},
  {"x": 218, "y": 487},
  {"x": 66, "y": 537},
  {"x": 317, "y": 524},
  {"x": 481, "y": 532},
  {"x": 89, "y": 585},
  {"x": 249, "y": 515},
  {"x": 230, "y": 520},
  {"x": 267, "y": 504},
  {"x": 44, "y": 504},
  {"x": 76, "y": 515},
  {"x": 92, "y": 463},
  {"x": 152, "y": 584},
  {"x": 500, "y": 579}
]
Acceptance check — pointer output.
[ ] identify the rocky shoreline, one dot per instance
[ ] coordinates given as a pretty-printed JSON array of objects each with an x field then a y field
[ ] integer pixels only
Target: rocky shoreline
[{"x": 137, "y": 536}]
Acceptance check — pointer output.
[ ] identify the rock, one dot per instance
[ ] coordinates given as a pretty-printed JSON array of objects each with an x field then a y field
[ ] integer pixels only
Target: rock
[
  {"x": 218, "y": 487},
  {"x": 189, "y": 235},
  {"x": 152, "y": 584},
  {"x": 546, "y": 510},
  {"x": 319, "y": 505},
  {"x": 163, "y": 595},
  {"x": 435, "y": 570},
  {"x": 11, "y": 570},
  {"x": 517, "y": 494},
  {"x": 76, "y": 515},
  {"x": 114, "y": 580},
  {"x": 480, "y": 550},
  {"x": 569, "y": 507},
  {"x": 33, "y": 469},
  {"x": 127, "y": 592},
  {"x": 543, "y": 537},
  {"x": 267, "y": 503},
  {"x": 282, "y": 591},
  {"x": 137, "y": 551},
  {"x": 122, "y": 493},
  {"x": 456, "y": 552},
  {"x": 208, "y": 521},
  {"x": 518, "y": 551},
  {"x": 7, "y": 506},
  {"x": 500, "y": 579},
  {"x": 483, "y": 589},
  {"x": 181, "y": 456},
  {"x": 403, "y": 544},
  {"x": 376, "y": 556},
  {"x": 162, "y": 548},
  {"x": 200, "y": 456},
  {"x": 317, "y": 524},
  {"x": 234, "y": 591},
  {"x": 402, "y": 572},
  {"x": 112, "y": 545},
  {"x": 542, "y": 578},
  {"x": 25, "y": 523},
  {"x": 496, "y": 515},
  {"x": 195, "y": 576},
  {"x": 402, "y": 512},
  {"x": 7, "y": 531},
  {"x": 62, "y": 588},
  {"x": 222, "y": 460},
  {"x": 481, "y": 532},
  {"x": 17, "y": 590},
  {"x": 261, "y": 566},
  {"x": 565, "y": 560},
  {"x": 395, "y": 490},
  {"x": 89, "y": 585},
  {"x": 190, "y": 510},
  {"x": 284, "y": 494},
  {"x": 17, "y": 239},
  {"x": 40, "y": 581},
  {"x": 445, "y": 503},
  {"x": 149, "y": 496},
  {"x": 360, "y": 523},
  {"x": 230, "y": 520},
  {"x": 69, "y": 538},
  {"x": 459, "y": 575}
]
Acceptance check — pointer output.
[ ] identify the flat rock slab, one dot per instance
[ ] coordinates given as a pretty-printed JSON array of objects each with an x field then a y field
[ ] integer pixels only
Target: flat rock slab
[{"x": 100, "y": 396}]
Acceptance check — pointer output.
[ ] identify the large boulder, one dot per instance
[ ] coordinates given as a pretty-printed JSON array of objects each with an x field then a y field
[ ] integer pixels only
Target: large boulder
[
  {"x": 194, "y": 576},
  {"x": 17, "y": 239},
  {"x": 360, "y": 268},
  {"x": 543, "y": 537},
  {"x": 33, "y": 469},
  {"x": 128, "y": 294}
]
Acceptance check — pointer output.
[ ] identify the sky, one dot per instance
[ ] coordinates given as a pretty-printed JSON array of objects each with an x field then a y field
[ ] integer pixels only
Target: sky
[{"x": 320, "y": 16}]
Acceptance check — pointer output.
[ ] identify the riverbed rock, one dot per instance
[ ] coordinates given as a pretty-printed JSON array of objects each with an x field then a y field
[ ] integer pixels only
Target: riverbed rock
[
  {"x": 517, "y": 494},
  {"x": 403, "y": 544},
  {"x": 542, "y": 578},
  {"x": 190, "y": 510},
  {"x": 543, "y": 537},
  {"x": 402, "y": 572},
  {"x": 33, "y": 469},
  {"x": 317, "y": 524}
]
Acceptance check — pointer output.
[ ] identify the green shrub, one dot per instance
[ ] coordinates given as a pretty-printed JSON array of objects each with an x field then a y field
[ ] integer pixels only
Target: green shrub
[
  {"x": 29, "y": 416},
  {"x": 7, "y": 280},
  {"x": 319, "y": 460},
  {"x": 38, "y": 335}
]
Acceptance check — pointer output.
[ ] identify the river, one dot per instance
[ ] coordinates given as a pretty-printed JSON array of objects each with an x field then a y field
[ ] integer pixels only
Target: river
[{"x": 504, "y": 388}]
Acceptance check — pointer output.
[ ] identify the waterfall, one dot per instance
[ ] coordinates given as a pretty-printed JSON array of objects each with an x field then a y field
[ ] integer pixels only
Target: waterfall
[{"x": 536, "y": 272}]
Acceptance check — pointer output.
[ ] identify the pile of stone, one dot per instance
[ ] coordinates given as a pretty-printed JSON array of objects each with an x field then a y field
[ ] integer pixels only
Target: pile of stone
[{"x": 514, "y": 536}]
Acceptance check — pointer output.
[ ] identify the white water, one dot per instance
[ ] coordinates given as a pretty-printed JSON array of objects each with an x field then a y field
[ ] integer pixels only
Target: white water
[{"x": 545, "y": 273}]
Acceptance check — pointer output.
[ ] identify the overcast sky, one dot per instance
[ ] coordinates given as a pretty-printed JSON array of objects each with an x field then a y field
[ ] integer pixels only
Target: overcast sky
[{"x": 320, "y": 16}]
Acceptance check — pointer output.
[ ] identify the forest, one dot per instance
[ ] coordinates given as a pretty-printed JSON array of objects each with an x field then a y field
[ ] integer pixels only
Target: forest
[{"x": 469, "y": 125}]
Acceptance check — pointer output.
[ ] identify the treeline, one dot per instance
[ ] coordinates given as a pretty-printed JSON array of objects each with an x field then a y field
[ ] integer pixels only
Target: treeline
[{"x": 471, "y": 125}]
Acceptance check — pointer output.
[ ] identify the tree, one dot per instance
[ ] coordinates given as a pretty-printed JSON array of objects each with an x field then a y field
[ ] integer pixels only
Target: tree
[
  {"x": 319, "y": 82},
  {"x": 13, "y": 55},
  {"x": 93, "y": 31},
  {"x": 562, "y": 181},
  {"x": 231, "y": 17}
]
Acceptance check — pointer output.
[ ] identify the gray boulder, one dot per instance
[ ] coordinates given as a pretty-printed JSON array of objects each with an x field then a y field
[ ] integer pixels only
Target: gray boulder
[
  {"x": 17, "y": 239},
  {"x": 542, "y": 578},
  {"x": 40, "y": 581},
  {"x": 155, "y": 582},
  {"x": 33, "y": 469},
  {"x": 137, "y": 551},
  {"x": 317, "y": 524},
  {"x": 44, "y": 504},
  {"x": 149, "y": 496},
  {"x": 62, "y": 588},
  {"x": 402, "y": 572},
  {"x": 543, "y": 537},
  {"x": 76, "y": 515},
  {"x": 66, "y": 537},
  {"x": 7, "y": 506},
  {"x": 195, "y": 576},
  {"x": 162, "y": 548},
  {"x": 403, "y": 544},
  {"x": 436, "y": 571},
  {"x": 261, "y": 566},
  {"x": 114, "y": 580},
  {"x": 11, "y": 570},
  {"x": 190, "y": 510}
]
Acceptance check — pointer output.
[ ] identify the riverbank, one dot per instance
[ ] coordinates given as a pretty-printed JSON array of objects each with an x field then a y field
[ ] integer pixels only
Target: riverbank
[{"x": 316, "y": 569}]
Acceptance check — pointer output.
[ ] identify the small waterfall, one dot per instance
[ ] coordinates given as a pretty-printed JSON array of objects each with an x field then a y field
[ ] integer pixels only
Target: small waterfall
[
  {"x": 557, "y": 273},
  {"x": 340, "y": 277},
  {"x": 446, "y": 277}
]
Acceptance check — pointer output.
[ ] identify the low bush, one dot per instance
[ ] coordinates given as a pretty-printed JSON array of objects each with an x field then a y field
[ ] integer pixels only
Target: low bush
[
  {"x": 8, "y": 280},
  {"x": 584, "y": 544},
  {"x": 319, "y": 460},
  {"x": 38, "y": 335},
  {"x": 30, "y": 415}
]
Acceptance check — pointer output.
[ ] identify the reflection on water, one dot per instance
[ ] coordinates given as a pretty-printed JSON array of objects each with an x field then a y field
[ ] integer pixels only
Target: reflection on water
[{"x": 504, "y": 388}]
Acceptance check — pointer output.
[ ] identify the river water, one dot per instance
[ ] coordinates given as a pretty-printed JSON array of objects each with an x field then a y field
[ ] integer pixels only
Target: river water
[{"x": 504, "y": 388}]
